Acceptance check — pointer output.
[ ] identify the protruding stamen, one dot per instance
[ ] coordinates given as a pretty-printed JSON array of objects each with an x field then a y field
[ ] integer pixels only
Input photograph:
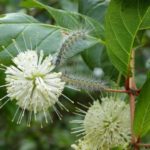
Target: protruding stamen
[
  {"x": 4, "y": 103},
  {"x": 16, "y": 45}
]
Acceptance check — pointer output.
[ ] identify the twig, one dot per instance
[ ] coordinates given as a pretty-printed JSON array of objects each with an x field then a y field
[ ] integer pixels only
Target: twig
[
  {"x": 132, "y": 86},
  {"x": 117, "y": 91},
  {"x": 130, "y": 91},
  {"x": 143, "y": 145}
]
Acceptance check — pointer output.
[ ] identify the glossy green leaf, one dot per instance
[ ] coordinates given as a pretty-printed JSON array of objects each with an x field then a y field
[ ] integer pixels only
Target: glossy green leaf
[
  {"x": 70, "y": 20},
  {"x": 94, "y": 8},
  {"x": 123, "y": 20},
  {"x": 28, "y": 33},
  {"x": 71, "y": 5},
  {"x": 75, "y": 21},
  {"x": 146, "y": 21},
  {"x": 92, "y": 56},
  {"x": 142, "y": 118}
]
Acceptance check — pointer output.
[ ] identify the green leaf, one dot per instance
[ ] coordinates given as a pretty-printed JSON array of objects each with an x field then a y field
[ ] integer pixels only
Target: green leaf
[
  {"x": 70, "y": 20},
  {"x": 19, "y": 18},
  {"x": 31, "y": 34},
  {"x": 19, "y": 27},
  {"x": 94, "y": 8},
  {"x": 123, "y": 20},
  {"x": 142, "y": 119},
  {"x": 146, "y": 21},
  {"x": 71, "y": 5},
  {"x": 92, "y": 56},
  {"x": 75, "y": 21}
]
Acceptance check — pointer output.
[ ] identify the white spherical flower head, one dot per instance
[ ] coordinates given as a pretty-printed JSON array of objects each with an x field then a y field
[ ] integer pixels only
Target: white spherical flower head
[
  {"x": 32, "y": 83},
  {"x": 107, "y": 125}
]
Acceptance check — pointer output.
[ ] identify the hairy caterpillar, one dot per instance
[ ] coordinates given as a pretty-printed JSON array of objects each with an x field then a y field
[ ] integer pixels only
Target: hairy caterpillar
[
  {"x": 71, "y": 39},
  {"x": 91, "y": 85}
]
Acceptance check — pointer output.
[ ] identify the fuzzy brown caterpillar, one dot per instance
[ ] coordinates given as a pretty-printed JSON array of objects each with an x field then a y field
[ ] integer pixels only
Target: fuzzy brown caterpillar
[
  {"x": 71, "y": 39},
  {"x": 85, "y": 84}
]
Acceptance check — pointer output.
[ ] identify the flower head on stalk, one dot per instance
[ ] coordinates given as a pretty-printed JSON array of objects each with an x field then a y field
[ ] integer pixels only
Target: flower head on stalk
[
  {"x": 106, "y": 124},
  {"x": 33, "y": 83}
]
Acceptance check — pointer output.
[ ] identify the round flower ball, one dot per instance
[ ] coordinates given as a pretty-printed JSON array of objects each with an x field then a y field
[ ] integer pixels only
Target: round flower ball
[
  {"x": 106, "y": 125},
  {"x": 32, "y": 82}
]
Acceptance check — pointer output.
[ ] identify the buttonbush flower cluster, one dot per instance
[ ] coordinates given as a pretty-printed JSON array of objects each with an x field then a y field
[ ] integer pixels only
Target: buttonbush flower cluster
[
  {"x": 32, "y": 82},
  {"x": 106, "y": 125}
]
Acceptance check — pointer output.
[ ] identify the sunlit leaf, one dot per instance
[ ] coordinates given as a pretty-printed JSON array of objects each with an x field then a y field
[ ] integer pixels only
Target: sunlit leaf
[
  {"x": 123, "y": 21},
  {"x": 142, "y": 119}
]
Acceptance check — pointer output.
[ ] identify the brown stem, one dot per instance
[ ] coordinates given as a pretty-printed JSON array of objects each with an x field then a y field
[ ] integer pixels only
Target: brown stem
[
  {"x": 143, "y": 145},
  {"x": 130, "y": 91},
  {"x": 132, "y": 86},
  {"x": 117, "y": 91},
  {"x": 132, "y": 108},
  {"x": 136, "y": 144}
]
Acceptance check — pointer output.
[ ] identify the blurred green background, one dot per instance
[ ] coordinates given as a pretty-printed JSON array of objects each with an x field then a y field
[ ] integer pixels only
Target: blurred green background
[{"x": 57, "y": 135}]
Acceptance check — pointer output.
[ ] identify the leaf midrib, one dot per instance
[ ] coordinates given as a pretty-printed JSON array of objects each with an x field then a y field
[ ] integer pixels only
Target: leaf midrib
[
  {"x": 58, "y": 27},
  {"x": 134, "y": 35}
]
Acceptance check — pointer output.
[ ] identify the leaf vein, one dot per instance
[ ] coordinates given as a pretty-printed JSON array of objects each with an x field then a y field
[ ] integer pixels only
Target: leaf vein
[{"x": 117, "y": 38}]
